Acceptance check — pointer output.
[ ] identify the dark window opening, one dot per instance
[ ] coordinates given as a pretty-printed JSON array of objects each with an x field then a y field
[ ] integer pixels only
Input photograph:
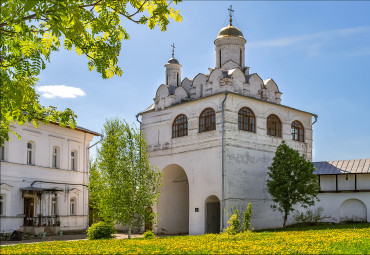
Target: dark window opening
[
  {"x": 273, "y": 125},
  {"x": 180, "y": 126},
  {"x": 246, "y": 120},
  {"x": 207, "y": 120}
]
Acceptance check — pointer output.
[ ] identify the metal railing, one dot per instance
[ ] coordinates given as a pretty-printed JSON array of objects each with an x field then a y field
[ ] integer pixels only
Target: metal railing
[{"x": 41, "y": 221}]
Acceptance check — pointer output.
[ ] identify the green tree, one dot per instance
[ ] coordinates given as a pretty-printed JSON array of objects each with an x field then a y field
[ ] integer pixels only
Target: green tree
[
  {"x": 291, "y": 181},
  {"x": 30, "y": 30},
  {"x": 122, "y": 182}
]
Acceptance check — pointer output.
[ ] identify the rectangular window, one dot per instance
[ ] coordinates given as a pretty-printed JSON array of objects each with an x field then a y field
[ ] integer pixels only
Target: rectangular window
[
  {"x": 73, "y": 160},
  {"x": 55, "y": 157},
  {"x": 2, "y": 153},
  {"x": 2, "y": 205},
  {"x": 29, "y": 153},
  {"x": 53, "y": 206},
  {"x": 72, "y": 206}
]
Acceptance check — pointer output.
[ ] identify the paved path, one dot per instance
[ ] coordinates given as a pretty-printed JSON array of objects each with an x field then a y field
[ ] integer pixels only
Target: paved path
[{"x": 62, "y": 238}]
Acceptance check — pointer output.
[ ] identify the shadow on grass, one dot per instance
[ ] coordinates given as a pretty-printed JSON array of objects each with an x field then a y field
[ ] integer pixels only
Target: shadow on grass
[{"x": 319, "y": 226}]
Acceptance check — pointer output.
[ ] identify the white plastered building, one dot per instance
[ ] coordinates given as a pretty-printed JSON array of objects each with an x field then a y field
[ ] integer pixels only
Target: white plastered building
[
  {"x": 44, "y": 178},
  {"x": 214, "y": 136}
]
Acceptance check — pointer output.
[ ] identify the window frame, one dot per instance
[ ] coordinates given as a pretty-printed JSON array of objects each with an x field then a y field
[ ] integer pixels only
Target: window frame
[
  {"x": 30, "y": 153},
  {"x": 2, "y": 205},
  {"x": 55, "y": 157},
  {"x": 72, "y": 206},
  {"x": 244, "y": 120},
  {"x": 297, "y": 131},
  {"x": 74, "y": 160},
  {"x": 203, "y": 119},
  {"x": 274, "y": 125},
  {"x": 53, "y": 206},
  {"x": 2, "y": 152},
  {"x": 180, "y": 129}
]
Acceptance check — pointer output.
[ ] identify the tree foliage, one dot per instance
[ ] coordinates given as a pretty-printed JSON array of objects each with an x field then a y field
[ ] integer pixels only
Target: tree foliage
[
  {"x": 30, "y": 30},
  {"x": 233, "y": 223},
  {"x": 291, "y": 181},
  {"x": 247, "y": 215},
  {"x": 123, "y": 185}
]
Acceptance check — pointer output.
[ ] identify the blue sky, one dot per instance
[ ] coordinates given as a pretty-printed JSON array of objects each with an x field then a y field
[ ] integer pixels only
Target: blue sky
[{"x": 317, "y": 52}]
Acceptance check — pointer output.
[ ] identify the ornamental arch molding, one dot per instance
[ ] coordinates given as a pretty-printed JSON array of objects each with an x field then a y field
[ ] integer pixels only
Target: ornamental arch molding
[{"x": 353, "y": 210}]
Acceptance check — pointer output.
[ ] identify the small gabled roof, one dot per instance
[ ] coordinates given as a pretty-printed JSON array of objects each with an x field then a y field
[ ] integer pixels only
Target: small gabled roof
[{"x": 352, "y": 166}]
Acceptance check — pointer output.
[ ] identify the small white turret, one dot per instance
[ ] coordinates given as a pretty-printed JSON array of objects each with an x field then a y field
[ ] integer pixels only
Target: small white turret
[
  {"x": 230, "y": 46},
  {"x": 173, "y": 70}
]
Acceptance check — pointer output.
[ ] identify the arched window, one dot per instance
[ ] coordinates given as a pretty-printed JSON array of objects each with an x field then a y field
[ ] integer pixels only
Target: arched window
[
  {"x": 74, "y": 161},
  {"x": 246, "y": 120},
  {"x": 56, "y": 157},
  {"x": 207, "y": 120},
  {"x": 273, "y": 125},
  {"x": 30, "y": 153},
  {"x": 180, "y": 126},
  {"x": 297, "y": 131}
]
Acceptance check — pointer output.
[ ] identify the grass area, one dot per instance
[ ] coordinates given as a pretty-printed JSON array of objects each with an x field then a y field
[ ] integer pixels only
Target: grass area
[{"x": 339, "y": 239}]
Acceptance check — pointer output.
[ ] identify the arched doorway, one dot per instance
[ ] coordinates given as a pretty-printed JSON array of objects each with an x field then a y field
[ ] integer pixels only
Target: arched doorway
[
  {"x": 353, "y": 210},
  {"x": 212, "y": 214},
  {"x": 173, "y": 202}
]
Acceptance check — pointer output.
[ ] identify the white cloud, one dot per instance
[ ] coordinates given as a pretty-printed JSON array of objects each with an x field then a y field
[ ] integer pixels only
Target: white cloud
[
  {"x": 62, "y": 91},
  {"x": 319, "y": 37}
]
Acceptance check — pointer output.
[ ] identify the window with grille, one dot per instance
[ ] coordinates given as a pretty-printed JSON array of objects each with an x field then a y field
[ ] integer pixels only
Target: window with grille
[
  {"x": 207, "y": 120},
  {"x": 180, "y": 126},
  {"x": 297, "y": 131},
  {"x": 246, "y": 120},
  {"x": 273, "y": 125}
]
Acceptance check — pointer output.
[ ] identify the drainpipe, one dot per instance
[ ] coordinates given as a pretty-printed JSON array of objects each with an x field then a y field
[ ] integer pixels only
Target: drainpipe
[
  {"x": 315, "y": 116},
  {"x": 87, "y": 172},
  {"x": 137, "y": 118},
  {"x": 223, "y": 162}
]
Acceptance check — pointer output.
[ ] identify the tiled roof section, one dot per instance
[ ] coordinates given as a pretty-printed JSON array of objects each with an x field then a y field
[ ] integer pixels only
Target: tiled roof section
[{"x": 352, "y": 166}]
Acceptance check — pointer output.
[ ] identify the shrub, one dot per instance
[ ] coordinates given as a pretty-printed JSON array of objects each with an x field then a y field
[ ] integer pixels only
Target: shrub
[
  {"x": 234, "y": 224},
  {"x": 148, "y": 234},
  {"x": 310, "y": 217},
  {"x": 101, "y": 230},
  {"x": 247, "y": 217}
]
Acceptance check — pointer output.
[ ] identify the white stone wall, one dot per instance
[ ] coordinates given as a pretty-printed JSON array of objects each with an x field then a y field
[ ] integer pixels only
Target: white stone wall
[
  {"x": 340, "y": 200},
  {"x": 247, "y": 155},
  {"x": 17, "y": 174}
]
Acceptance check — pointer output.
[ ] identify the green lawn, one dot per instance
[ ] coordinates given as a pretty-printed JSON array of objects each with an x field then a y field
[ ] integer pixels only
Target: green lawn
[{"x": 344, "y": 239}]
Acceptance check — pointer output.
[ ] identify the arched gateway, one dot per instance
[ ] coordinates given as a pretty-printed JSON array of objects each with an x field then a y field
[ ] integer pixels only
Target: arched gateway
[{"x": 173, "y": 202}]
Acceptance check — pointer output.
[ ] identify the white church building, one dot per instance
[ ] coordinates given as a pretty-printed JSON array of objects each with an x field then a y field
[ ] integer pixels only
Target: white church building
[
  {"x": 214, "y": 136},
  {"x": 44, "y": 178}
]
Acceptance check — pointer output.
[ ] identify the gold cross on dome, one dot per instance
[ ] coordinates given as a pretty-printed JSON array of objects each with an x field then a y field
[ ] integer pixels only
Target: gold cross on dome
[
  {"x": 173, "y": 50},
  {"x": 231, "y": 14}
]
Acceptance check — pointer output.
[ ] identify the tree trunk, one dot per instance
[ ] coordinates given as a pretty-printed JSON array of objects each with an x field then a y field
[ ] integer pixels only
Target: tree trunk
[
  {"x": 129, "y": 231},
  {"x": 285, "y": 218}
]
